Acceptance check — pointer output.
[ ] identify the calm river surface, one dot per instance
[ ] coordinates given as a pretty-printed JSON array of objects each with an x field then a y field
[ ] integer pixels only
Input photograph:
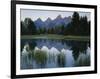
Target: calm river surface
[{"x": 47, "y": 53}]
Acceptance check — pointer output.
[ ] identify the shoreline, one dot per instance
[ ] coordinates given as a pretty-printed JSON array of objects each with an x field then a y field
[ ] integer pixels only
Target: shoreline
[{"x": 56, "y": 37}]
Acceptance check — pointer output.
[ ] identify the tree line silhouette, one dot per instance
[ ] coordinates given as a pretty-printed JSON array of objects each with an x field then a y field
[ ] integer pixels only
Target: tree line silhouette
[{"x": 79, "y": 26}]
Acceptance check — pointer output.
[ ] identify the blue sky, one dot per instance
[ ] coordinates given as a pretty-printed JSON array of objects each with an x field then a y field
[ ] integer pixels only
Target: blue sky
[{"x": 44, "y": 14}]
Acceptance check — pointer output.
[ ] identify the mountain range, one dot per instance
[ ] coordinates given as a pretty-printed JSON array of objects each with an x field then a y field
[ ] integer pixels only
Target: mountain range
[{"x": 49, "y": 23}]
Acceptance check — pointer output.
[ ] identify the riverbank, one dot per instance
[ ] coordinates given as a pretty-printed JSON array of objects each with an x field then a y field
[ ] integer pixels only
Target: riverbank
[{"x": 57, "y": 37}]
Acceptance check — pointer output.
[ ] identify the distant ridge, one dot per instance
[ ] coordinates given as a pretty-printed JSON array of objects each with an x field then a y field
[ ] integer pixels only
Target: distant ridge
[{"x": 49, "y": 23}]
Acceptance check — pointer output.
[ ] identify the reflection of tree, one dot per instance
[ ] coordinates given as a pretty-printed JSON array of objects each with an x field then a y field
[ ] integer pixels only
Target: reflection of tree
[
  {"x": 32, "y": 43},
  {"x": 40, "y": 58},
  {"x": 27, "y": 47},
  {"x": 61, "y": 60},
  {"x": 78, "y": 47}
]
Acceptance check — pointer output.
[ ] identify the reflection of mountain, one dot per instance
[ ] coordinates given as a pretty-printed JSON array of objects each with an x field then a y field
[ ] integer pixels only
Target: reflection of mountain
[
  {"x": 49, "y": 23},
  {"x": 42, "y": 53}
]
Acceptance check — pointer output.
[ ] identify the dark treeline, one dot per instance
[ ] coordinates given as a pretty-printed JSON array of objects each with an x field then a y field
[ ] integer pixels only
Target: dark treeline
[
  {"x": 79, "y": 26},
  {"x": 28, "y": 27}
]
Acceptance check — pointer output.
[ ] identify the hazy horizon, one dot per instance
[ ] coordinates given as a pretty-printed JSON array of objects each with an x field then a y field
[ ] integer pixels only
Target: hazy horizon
[{"x": 44, "y": 14}]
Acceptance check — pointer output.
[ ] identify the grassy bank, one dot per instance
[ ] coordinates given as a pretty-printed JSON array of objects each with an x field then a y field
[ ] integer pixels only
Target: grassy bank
[{"x": 58, "y": 37}]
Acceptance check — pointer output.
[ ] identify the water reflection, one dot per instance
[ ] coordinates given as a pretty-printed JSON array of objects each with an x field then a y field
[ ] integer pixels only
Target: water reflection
[
  {"x": 44, "y": 53},
  {"x": 61, "y": 60},
  {"x": 79, "y": 47}
]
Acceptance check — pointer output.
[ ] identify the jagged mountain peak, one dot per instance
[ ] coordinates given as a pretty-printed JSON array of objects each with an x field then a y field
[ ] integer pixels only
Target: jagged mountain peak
[
  {"x": 59, "y": 17},
  {"x": 49, "y": 23},
  {"x": 48, "y": 19},
  {"x": 39, "y": 19}
]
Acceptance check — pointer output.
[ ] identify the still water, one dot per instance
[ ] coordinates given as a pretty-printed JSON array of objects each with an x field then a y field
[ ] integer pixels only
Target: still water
[{"x": 47, "y": 53}]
